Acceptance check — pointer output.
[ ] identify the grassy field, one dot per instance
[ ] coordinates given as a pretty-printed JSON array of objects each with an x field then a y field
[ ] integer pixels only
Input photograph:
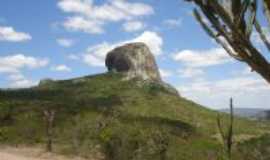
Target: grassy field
[{"x": 103, "y": 116}]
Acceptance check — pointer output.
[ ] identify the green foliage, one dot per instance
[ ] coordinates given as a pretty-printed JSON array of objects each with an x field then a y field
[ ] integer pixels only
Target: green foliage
[
  {"x": 256, "y": 148},
  {"x": 104, "y": 116}
]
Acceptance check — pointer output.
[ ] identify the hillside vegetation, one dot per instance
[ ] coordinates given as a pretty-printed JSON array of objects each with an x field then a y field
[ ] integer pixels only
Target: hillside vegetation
[{"x": 104, "y": 117}]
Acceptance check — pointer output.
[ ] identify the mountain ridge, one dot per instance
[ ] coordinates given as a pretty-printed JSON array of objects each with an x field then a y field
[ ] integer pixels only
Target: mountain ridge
[{"x": 251, "y": 113}]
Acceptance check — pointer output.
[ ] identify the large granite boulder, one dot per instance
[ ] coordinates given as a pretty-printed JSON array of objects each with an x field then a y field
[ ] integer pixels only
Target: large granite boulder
[{"x": 135, "y": 60}]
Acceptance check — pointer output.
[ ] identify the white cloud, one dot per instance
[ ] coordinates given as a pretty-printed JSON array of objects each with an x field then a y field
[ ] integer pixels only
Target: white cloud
[
  {"x": 165, "y": 73},
  {"x": 24, "y": 83},
  {"x": 190, "y": 72},
  {"x": 95, "y": 55},
  {"x": 82, "y": 24},
  {"x": 64, "y": 42},
  {"x": 113, "y": 10},
  {"x": 12, "y": 66},
  {"x": 91, "y": 18},
  {"x": 152, "y": 39},
  {"x": 241, "y": 84},
  {"x": 204, "y": 58},
  {"x": 10, "y": 35},
  {"x": 173, "y": 23},
  {"x": 216, "y": 93},
  {"x": 76, "y": 6},
  {"x": 132, "y": 26},
  {"x": 18, "y": 80},
  {"x": 230, "y": 86},
  {"x": 61, "y": 68},
  {"x": 13, "y": 63}
]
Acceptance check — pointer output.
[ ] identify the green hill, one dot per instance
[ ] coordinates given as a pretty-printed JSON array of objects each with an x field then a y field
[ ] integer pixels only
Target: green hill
[{"x": 103, "y": 116}]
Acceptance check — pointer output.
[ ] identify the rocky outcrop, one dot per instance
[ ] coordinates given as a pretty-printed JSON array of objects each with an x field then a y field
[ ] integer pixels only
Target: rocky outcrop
[
  {"x": 46, "y": 81},
  {"x": 135, "y": 60}
]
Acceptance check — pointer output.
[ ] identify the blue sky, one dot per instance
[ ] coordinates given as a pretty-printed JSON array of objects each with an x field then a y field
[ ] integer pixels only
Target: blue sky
[{"x": 61, "y": 39}]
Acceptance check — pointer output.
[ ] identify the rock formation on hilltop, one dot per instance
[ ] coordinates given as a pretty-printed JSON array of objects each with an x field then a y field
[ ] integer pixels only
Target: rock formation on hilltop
[
  {"x": 136, "y": 61},
  {"x": 45, "y": 81}
]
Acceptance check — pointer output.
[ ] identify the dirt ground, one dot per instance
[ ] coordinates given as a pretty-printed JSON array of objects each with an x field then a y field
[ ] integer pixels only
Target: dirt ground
[{"x": 23, "y": 153}]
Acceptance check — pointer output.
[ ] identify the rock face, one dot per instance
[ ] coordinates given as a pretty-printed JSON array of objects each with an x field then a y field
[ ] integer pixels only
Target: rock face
[{"x": 134, "y": 59}]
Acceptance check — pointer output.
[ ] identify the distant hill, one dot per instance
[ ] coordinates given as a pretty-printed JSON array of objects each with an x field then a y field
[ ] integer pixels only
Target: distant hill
[
  {"x": 251, "y": 113},
  {"x": 264, "y": 115}
]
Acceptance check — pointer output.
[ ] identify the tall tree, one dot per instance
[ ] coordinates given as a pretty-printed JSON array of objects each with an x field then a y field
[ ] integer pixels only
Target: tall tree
[{"x": 231, "y": 23}]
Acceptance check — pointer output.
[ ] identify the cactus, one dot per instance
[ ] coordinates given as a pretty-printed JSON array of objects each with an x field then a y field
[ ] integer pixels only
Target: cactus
[
  {"x": 267, "y": 10},
  {"x": 231, "y": 23},
  {"x": 227, "y": 138}
]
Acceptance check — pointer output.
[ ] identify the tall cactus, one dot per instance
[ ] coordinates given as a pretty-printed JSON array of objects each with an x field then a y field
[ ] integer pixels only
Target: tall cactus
[
  {"x": 231, "y": 23},
  {"x": 267, "y": 10},
  {"x": 227, "y": 138}
]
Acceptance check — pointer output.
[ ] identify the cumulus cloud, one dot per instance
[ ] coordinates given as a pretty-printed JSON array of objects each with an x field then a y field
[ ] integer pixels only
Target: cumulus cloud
[
  {"x": 61, "y": 68},
  {"x": 10, "y": 35},
  {"x": 64, "y": 42},
  {"x": 18, "y": 80},
  {"x": 12, "y": 66},
  {"x": 203, "y": 58},
  {"x": 215, "y": 93},
  {"x": 24, "y": 83},
  {"x": 95, "y": 55},
  {"x": 91, "y": 18},
  {"x": 82, "y": 24},
  {"x": 132, "y": 26},
  {"x": 13, "y": 63},
  {"x": 247, "y": 88}
]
